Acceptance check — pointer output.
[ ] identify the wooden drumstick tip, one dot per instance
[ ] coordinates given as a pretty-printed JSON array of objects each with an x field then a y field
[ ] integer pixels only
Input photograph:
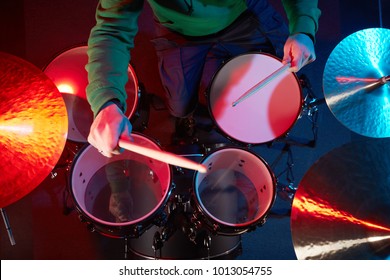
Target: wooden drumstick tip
[{"x": 202, "y": 168}]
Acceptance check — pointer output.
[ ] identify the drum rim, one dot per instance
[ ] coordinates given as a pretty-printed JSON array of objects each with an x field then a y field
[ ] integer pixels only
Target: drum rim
[
  {"x": 232, "y": 138},
  {"x": 228, "y": 228},
  {"x": 120, "y": 226}
]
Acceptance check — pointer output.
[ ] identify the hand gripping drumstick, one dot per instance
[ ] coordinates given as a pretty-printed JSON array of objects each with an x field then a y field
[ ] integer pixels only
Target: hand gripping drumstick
[
  {"x": 162, "y": 156},
  {"x": 261, "y": 84}
]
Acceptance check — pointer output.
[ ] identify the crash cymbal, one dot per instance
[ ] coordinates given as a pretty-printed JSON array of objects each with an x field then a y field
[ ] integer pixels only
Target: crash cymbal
[
  {"x": 33, "y": 127},
  {"x": 341, "y": 209},
  {"x": 356, "y": 82}
]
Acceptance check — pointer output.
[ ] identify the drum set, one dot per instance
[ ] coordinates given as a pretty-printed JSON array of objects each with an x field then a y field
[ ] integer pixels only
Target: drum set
[{"x": 176, "y": 212}]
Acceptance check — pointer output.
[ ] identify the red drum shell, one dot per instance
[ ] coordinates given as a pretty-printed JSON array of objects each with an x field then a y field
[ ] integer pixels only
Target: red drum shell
[{"x": 68, "y": 73}]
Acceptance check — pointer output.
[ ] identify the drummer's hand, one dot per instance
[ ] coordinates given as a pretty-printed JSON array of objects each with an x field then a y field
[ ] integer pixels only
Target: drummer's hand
[
  {"x": 299, "y": 51},
  {"x": 109, "y": 125}
]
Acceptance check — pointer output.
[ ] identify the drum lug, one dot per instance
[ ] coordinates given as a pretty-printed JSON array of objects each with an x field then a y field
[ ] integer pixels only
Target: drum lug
[
  {"x": 91, "y": 227},
  {"x": 136, "y": 231},
  {"x": 193, "y": 230},
  {"x": 216, "y": 228},
  {"x": 207, "y": 241},
  {"x": 157, "y": 241},
  {"x": 82, "y": 219},
  {"x": 262, "y": 222},
  {"x": 160, "y": 220}
]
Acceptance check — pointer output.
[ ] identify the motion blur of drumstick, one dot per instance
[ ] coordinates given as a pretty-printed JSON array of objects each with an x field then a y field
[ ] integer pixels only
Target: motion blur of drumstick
[
  {"x": 261, "y": 84},
  {"x": 163, "y": 156}
]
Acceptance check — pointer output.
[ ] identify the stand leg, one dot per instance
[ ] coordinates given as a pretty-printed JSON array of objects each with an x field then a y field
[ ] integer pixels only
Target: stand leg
[{"x": 8, "y": 227}]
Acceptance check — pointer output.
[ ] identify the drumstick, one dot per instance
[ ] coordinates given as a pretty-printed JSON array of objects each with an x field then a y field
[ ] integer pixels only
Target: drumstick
[
  {"x": 261, "y": 84},
  {"x": 162, "y": 156}
]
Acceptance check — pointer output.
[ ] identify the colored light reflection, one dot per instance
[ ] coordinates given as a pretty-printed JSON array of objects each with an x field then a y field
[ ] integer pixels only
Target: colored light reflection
[
  {"x": 355, "y": 79},
  {"x": 314, "y": 251},
  {"x": 33, "y": 127},
  {"x": 66, "y": 88},
  {"x": 19, "y": 129},
  {"x": 324, "y": 210},
  {"x": 331, "y": 248},
  {"x": 336, "y": 99}
]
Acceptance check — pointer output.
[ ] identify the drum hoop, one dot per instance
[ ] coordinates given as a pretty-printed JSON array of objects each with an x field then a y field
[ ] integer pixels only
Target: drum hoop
[
  {"x": 144, "y": 218},
  {"x": 137, "y": 92},
  {"x": 227, "y": 227},
  {"x": 232, "y": 138}
]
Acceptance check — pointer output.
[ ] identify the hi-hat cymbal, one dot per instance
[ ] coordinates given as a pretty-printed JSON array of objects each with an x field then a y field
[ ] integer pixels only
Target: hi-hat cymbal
[
  {"x": 341, "y": 209},
  {"x": 33, "y": 127},
  {"x": 356, "y": 82}
]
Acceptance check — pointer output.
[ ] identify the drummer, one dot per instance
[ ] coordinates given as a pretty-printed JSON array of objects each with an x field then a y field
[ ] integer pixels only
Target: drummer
[{"x": 193, "y": 39}]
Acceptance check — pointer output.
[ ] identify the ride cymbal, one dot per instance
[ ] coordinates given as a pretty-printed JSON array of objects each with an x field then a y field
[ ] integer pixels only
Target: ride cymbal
[
  {"x": 356, "y": 82},
  {"x": 341, "y": 209},
  {"x": 33, "y": 127}
]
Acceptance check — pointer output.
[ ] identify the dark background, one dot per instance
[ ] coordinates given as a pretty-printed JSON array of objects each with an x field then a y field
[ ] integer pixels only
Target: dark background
[{"x": 38, "y": 30}]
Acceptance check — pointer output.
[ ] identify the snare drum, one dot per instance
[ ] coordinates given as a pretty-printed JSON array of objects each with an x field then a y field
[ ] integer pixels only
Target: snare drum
[
  {"x": 264, "y": 116},
  {"x": 146, "y": 181},
  {"x": 67, "y": 71},
  {"x": 236, "y": 193}
]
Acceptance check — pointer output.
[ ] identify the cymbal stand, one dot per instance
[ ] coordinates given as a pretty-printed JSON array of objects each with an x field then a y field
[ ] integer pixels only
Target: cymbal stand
[
  {"x": 286, "y": 191},
  {"x": 8, "y": 227},
  {"x": 311, "y": 103}
]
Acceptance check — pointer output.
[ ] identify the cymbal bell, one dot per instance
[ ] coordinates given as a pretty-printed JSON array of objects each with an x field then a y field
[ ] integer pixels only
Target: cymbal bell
[
  {"x": 33, "y": 127},
  {"x": 341, "y": 209},
  {"x": 356, "y": 82}
]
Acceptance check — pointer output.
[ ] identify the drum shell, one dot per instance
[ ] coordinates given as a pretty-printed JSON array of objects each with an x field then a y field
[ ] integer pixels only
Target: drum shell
[
  {"x": 240, "y": 159},
  {"x": 68, "y": 73},
  {"x": 82, "y": 175}
]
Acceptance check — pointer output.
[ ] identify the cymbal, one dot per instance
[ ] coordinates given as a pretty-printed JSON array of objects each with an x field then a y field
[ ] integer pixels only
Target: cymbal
[
  {"x": 33, "y": 127},
  {"x": 356, "y": 82},
  {"x": 341, "y": 209}
]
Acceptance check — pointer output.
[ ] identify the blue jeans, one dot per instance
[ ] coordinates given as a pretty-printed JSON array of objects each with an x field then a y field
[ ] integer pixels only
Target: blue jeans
[{"x": 187, "y": 64}]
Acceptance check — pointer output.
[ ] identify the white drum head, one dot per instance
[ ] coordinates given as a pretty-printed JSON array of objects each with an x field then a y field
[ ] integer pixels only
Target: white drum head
[{"x": 266, "y": 115}]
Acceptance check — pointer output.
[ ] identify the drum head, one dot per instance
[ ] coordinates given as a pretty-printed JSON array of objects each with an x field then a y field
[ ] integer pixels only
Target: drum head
[
  {"x": 68, "y": 73},
  {"x": 143, "y": 183},
  {"x": 237, "y": 191},
  {"x": 266, "y": 115}
]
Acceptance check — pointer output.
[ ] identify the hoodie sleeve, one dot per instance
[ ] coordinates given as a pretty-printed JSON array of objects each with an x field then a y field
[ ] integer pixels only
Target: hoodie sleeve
[
  {"x": 303, "y": 16},
  {"x": 109, "y": 45}
]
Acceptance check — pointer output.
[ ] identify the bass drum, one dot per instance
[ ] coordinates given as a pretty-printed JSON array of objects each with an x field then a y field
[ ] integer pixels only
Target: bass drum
[
  {"x": 67, "y": 71},
  {"x": 266, "y": 115},
  {"x": 236, "y": 193},
  {"x": 120, "y": 196}
]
